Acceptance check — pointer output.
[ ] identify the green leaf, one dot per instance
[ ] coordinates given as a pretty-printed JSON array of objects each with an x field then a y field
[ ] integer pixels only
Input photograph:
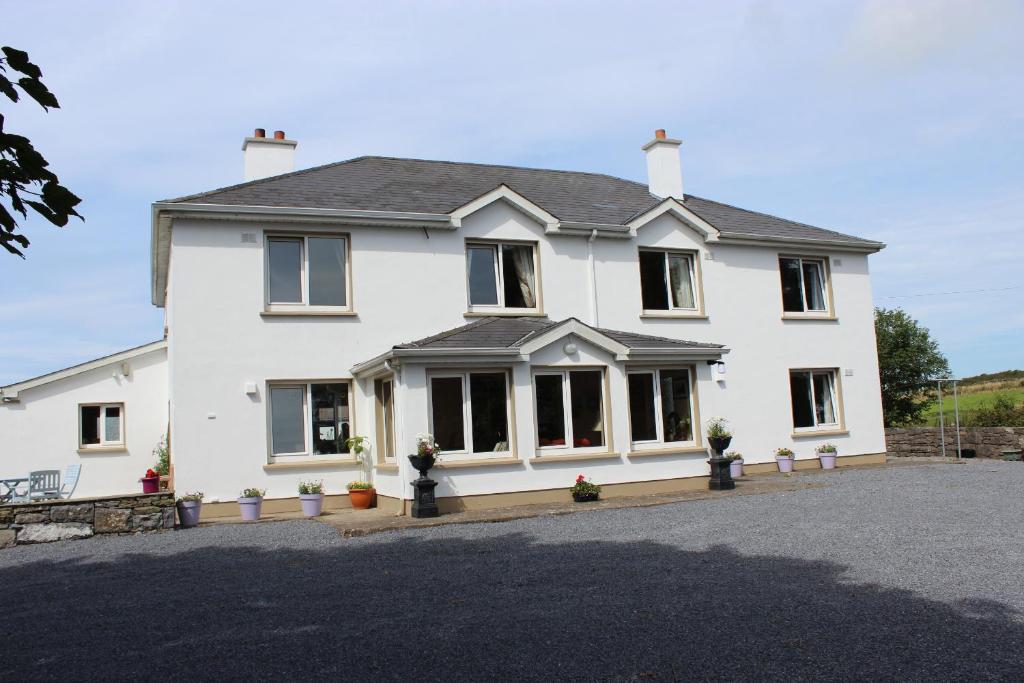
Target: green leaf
[
  {"x": 60, "y": 198},
  {"x": 8, "y": 89},
  {"x": 38, "y": 92},
  {"x": 7, "y": 221},
  {"x": 18, "y": 59},
  {"x": 5, "y": 242}
]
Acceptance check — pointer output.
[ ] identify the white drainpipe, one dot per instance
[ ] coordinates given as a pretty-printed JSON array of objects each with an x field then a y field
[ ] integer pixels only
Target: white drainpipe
[{"x": 593, "y": 278}]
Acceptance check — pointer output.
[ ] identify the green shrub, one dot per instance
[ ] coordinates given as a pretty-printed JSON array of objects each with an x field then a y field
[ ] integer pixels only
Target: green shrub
[{"x": 1002, "y": 412}]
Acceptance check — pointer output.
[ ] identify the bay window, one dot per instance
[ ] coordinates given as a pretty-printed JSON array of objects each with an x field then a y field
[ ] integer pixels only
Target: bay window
[
  {"x": 101, "y": 425},
  {"x": 813, "y": 396},
  {"x": 660, "y": 406},
  {"x": 804, "y": 285},
  {"x": 309, "y": 418},
  {"x": 502, "y": 276},
  {"x": 668, "y": 281},
  {"x": 307, "y": 272},
  {"x": 469, "y": 412},
  {"x": 570, "y": 408}
]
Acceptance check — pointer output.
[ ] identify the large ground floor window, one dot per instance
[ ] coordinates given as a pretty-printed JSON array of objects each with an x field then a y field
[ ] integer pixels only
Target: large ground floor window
[
  {"x": 310, "y": 418},
  {"x": 570, "y": 408},
  {"x": 660, "y": 406},
  {"x": 813, "y": 393},
  {"x": 469, "y": 411}
]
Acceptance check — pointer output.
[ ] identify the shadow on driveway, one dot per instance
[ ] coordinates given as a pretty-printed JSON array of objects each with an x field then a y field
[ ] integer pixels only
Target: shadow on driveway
[{"x": 502, "y": 608}]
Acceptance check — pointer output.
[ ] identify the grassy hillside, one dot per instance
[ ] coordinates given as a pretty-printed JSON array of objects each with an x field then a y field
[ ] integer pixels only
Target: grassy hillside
[{"x": 972, "y": 397}]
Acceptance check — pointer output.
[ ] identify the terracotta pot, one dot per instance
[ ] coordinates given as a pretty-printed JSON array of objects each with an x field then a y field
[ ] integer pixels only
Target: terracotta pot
[{"x": 362, "y": 499}]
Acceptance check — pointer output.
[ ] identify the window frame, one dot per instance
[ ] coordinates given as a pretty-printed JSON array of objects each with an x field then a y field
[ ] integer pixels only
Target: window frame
[
  {"x": 303, "y": 306},
  {"x": 500, "y": 308},
  {"x": 467, "y": 452},
  {"x": 826, "y": 288},
  {"x": 837, "y": 401},
  {"x": 104, "y": 444},
  {"x": 659, "y": 443},
  {"x": 568, "y": 447},
  {"x": 384, "y": 418},
  {"x": 696, "y": 282},
  {"x": 307, "y": 401}
]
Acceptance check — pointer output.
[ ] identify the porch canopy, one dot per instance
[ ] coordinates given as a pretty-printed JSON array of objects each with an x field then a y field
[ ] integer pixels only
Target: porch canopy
[{"x": 514, "y": 339}]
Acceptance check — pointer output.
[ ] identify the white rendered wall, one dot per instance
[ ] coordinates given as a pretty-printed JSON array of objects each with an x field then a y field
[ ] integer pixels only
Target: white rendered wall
[
  {"x": 408, "y": 285},
  {"x": 40, "y": 430}
]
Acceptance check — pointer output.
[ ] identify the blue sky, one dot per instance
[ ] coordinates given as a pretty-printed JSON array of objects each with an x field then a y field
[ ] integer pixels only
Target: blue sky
[{"x": 893, "y": 120}]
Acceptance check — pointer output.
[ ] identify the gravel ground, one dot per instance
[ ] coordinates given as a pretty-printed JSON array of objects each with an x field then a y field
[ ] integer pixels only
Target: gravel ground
[{"x": 908, "y": 573}]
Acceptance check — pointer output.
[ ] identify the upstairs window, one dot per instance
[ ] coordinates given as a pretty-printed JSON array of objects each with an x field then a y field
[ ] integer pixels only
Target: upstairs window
[
  {"x": 469, "y": 412},
  {"x": 667, "y": 281},
  {"x": 309, "y": 271},
  {"x": 660, "y": 406},
  {"x": 570, "y": 408},
  {"x": 502, "y": 276},
  {"x": 309, "y": 419},
  {"x": 101, "y": 425},
  {"x": 813, "y": 393},
  {"x": 803, "y": 285}
]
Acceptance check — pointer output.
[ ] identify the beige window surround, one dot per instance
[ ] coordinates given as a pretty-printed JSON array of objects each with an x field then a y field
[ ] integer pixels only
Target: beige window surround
[
  {"x": 304, "y": 307},
  {"x": 310, "y": 413},
  {"x": 498, "y": 266},
  {"x": 569, "y": 451},
  {"x": 816, "y": 395},
  {"x": 696, "y": 284},
  {"x": 468, "y": 454},
  {"x": 824, "y": 269},
  {"x": 108, "y": 423}
]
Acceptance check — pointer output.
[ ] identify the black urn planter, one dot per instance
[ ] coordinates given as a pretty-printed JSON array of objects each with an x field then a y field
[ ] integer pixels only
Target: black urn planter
[
  {"x": 584, "y": 497},
  {"x": 424, "y": 504},
  {"x": 721, "y": 474}
]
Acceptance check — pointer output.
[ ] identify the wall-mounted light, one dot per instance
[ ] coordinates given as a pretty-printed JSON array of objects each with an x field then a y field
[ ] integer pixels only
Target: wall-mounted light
[
  {"x": 719, "y": 369},
  {"x": 570, "y": 348}
]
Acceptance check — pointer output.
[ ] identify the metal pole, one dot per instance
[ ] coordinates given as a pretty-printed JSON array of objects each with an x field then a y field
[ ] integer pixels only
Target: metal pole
[
  {"x": 942, "y": 418},
  {"x": 956, "y": 412}
]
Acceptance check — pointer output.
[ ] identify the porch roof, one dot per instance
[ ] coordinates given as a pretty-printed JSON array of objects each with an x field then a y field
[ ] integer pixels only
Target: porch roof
[{"x": 518, "y": 337}]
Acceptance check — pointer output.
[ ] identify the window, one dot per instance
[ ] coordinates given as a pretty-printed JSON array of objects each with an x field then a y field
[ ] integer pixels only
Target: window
[
  {"x": 101, "y": 425},
  {"x": 570, "y": 408},
  {"x": 813, "y": 393},
  {"x": 307, "y": 271},
  {"x": 803, "y": 285},
  {"x": 469, "y": 412},
  {"x": 667, "y": 281},
  {"x": 660, "y": 406},
  {"x": 384, "y": 393},
  {"x": 502, "y": 276},
  {"x": 309, "y": 419}
]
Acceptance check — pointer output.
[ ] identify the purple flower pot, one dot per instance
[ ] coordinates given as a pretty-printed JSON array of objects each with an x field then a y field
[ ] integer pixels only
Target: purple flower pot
[
  {"x": 828, "y": 461},
  {"x": 189, "y": 512},
  {"x": 736, "y": 468},
  {"x": 251, "y": 508},
  {"x": 312, "y": 504},
  {"x": 785, "y": 463}
]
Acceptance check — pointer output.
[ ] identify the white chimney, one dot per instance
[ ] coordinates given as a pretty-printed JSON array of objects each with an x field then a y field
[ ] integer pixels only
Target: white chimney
[
  {"x": 265, "y": 156},
  {"x": 664, "y": 171}
]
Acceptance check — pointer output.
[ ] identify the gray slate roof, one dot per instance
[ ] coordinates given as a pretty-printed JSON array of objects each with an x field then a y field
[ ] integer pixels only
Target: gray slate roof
[
  {"x": 416, "y": 185},
  {"x": 511, "y": 333}
]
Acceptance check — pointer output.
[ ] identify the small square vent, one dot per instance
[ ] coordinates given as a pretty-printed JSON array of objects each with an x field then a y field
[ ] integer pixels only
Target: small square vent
[
  {"x": 248, "y": 238},
  {"x": 837, "y": 261}
]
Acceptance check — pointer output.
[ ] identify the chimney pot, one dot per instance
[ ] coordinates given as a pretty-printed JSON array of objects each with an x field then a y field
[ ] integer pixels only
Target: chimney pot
[
  {"x": 279, "y": 135},
  {"x": 660, "y": 134},
  {"x": 260, "y": 133}
]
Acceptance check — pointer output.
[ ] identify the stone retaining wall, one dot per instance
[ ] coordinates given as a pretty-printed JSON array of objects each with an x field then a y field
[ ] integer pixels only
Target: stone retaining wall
[
  {"x": 58, "y": 520},
  {"x": 988, "y": 442}
]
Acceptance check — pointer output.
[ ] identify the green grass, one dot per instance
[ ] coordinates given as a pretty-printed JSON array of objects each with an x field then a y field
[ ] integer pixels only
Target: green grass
[{"x": 968, "y": 402}]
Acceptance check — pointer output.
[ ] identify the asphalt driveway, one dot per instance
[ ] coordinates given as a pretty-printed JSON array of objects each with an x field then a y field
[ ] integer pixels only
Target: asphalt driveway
[{"x": 904, "y": 573}]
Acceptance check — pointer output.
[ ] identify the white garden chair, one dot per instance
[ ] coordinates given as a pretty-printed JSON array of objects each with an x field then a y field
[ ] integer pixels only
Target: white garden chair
[
  {"x": 43, "y": 485},
  {"x": 71, "y": 472}
]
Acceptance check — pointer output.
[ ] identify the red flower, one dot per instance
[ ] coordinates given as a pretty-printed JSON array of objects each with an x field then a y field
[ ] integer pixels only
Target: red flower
[
  {"x": 150, "y": 473},
  {"x": 580, "y": 479}
]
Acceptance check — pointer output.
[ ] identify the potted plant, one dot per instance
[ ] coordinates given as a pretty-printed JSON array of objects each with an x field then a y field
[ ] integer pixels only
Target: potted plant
[
  {"x": 311, "y": 498},
  {"x": 827, "y": 456},
  {"x": 583, "y": 490},
  {"x": 719, "y": 435},
  {"x": 360, "y": 494},
  {"x": 151, "y": 482},
  {"x": 190, "y": 507},
  {"x": 427, "y": 453},
  {"x": 163, "y": 461},
  {"x": 735, "y": 463},
  {"x": 250, "y": 502},
  {"x": 359, "y": 446},
  {"x": 784, "y": 458}
]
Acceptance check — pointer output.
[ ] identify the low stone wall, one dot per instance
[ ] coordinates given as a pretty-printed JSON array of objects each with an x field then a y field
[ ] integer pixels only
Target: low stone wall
[
  {"x": 988, "y": 442},
  {"x": 58, "y": 520}
]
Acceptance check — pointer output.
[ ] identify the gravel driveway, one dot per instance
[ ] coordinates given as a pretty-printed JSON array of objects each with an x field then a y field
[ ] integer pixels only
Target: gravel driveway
[{"x": 902, "y": 573}]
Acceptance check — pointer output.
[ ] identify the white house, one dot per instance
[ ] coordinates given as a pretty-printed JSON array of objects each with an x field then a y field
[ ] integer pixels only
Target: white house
[{"x": 540, "y": 323}]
